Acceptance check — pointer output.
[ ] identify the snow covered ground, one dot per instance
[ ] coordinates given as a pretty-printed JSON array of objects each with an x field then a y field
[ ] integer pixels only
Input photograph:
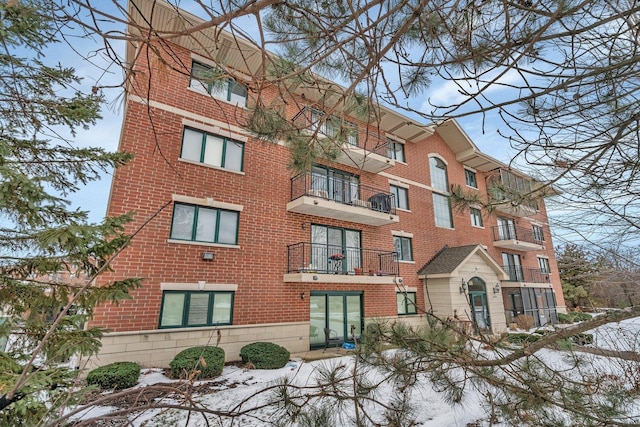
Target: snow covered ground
[{"x": 237, "y": 385}]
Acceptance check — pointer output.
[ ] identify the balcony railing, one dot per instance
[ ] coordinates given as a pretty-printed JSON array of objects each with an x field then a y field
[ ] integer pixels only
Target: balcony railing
[
  {"x": 333, "y": 127},
  {"x": 526, "y": 274},
  {"x": 322, "y": 258},
  {"x": 511, "y": 232},
  {"x": 342, "y": 191}
]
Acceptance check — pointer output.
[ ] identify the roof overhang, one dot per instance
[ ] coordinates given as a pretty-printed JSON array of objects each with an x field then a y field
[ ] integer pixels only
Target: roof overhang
[{"x": 482, "y": 253}]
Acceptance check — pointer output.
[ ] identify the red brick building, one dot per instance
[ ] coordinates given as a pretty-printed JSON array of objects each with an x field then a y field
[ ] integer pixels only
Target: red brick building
[{"x": 240, "y": 249}]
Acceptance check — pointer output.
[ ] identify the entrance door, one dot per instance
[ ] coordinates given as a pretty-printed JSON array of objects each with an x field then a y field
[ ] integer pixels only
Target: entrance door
[
  {"x": 479, "y": 306},
  {"x": 339, "y": 311}
]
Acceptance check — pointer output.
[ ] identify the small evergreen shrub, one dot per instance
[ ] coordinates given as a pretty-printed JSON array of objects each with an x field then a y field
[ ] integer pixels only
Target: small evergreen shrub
[
  {"x": 264, "y": 355},
  {"x": 198, "y": 363},
  {"x": 524, "y": 321},
  {"x": 117, "y": 376},
  {"x": 576, "y": 316},
  {"x": 522, "y": 338},
  {"x": 582, "y": 339}
]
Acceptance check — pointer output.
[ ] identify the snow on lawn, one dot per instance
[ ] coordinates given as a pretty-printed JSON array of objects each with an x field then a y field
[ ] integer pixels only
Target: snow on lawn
[{"x": 237, "y": 385}]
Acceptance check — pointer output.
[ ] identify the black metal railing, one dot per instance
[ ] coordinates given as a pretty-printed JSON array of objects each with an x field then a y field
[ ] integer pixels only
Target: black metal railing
[
  {"x": 511, "y": 232},
  {"x": 329, "y": 126},
  {"x": 342, "y": 191},
  {"x": 335, "y": 259},
  {"x": 526, "y": 274}
]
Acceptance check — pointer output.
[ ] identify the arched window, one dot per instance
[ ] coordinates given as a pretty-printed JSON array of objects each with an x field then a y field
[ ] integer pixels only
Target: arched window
[
  {"x": 439, "y": 180},
  {"x": 476, "y": 284},
  {"x": 440, "y": 185}
]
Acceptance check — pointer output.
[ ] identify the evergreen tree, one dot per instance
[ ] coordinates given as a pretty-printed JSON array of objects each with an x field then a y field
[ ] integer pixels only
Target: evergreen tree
[{"x": 39, "y": 234}]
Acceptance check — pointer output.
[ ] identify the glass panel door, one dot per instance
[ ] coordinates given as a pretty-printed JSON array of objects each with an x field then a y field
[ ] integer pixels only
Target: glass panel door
[
  {"x": 317, "y": 320},
  {"x": 353, "y": 256},
  {"x": 480, "y": 309},
  {"x": 319, "y": 251},
  {"x": 506, "y": 229},
  {"x": 354, "y": 317},
  {"x": 336, "y": 315}
]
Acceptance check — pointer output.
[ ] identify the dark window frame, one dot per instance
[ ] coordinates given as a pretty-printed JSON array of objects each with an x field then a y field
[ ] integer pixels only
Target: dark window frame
[
  {"x": 203, "y": 147},
  {"x": 476, "y": 216},
  {"x": 392, "y": 150},
  {"x": 186, "y": 305},
  {"x": 209, "y": 86},
  {"x": 396, "y": 191},
  {"x": 401, "y": 254},
  {"x": 194, "y": 225},
  {"x": 470, "y": 178},
  {"x": 410, "y": 308}
]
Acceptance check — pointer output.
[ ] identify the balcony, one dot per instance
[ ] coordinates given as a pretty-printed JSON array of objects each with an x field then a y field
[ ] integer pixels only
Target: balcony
[
  {"x": 338, "y": 198},
  {"x": 517, "y": 238},
  {"x": 324, "y": 263},
  {"x": 521, "y": 274},
  {"x": 513, "y": 194},
  {"x": 368, "y": 152}
]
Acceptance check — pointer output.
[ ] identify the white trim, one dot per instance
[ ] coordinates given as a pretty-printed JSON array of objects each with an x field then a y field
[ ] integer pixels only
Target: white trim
[
  {"x": 430, "y": 155},
  {"x": 407, "y": 181},
  {"x": 219, "y": 129},
  {"x": 206, "y": 201},
  {"x": 399, "y": 184},
  {"x": 209, "y": 244},
  {"x": 406, "y": 289},
  {"x": 402, "y": 233},
  {"x": 199, "y": 286},
  {"x": 401, "y": 261},
  {"x": 542, "y": 256},
  {"x": 470, "y": 168},
  {"x": 193, "y": 162},
  {"x": 395, "y": 138},
  {"x": 187, "y": 114}
]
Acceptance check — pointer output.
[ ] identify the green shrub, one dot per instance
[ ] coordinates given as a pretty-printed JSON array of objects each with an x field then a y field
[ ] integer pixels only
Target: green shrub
[
  {"x": 191, "y": 361},
  {"x": 582, "y": 339},
  {"x": 117, "y": 375},
  {"x": 522, "y": 338},
  {"x": 265, "y": 355},
  {"x": 575, "y": 316}
]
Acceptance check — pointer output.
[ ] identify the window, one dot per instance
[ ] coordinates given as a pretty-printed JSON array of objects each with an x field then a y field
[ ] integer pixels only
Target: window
[
  {"x": 538, "y": 233},
  {"x": 207, "y": 79},
  {"x": 470, "y": 178},
  {"x": 395, "y": 150},
  {"x": 476, "y": 217},
  {"x": 327, "y": 241},
  {"x": 202, "y": 147},
  {"x": 544, "y": 265},
  {"x": 402, "y": 197},
  {"x": 187, "y": 309},
  {"x": 512, "y": 265},
  {"x": 402, "y": 246},
  {"x": 439, "y": 180},
  {"x": 406, "y": 302},
  {"x": 442, "y": 210},
  {"x": 203, "y": 224}
]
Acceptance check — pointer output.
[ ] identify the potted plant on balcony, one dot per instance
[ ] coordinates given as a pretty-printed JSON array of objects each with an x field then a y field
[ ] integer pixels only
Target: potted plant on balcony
[{"x": 358, "y": 271}]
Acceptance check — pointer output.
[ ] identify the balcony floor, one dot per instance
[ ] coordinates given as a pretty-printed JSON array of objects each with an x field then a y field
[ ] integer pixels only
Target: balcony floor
[
  {"x": 340, "y": 278},
  {"x": 329, "y": 209}
]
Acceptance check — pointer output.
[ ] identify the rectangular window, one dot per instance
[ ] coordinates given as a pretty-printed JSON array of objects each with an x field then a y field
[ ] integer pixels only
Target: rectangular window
[
  {"x": 442, "y": 210},
  {"x": 476, "y": 217},
  {"x": 395, "y": 150},
  {"x": 470, "y": 178},
  {"x": 544, "y": 265},
  {"x": 202, "y": 147},
  {"x": 406, "y": 302},
  {"x": 187, "y": 309},
  {"x": 204, "y": 224},
  {"x": 206, "y": 79},
  {"x": 401, "y": 196},
  {"x": 538, "y": 233},
  {"x": 402, "y": 246},
  {"x": 512, "y": 265}
]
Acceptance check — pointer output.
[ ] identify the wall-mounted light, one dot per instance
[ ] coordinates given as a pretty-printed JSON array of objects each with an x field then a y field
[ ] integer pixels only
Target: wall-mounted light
[
  {"x": 208, "y": 256},
  {"x": 315, "y": 277},
  {"x": 302, "y": 296},
  {"x": 496, "y": 288},
  {"x": 463, "y": 288}
]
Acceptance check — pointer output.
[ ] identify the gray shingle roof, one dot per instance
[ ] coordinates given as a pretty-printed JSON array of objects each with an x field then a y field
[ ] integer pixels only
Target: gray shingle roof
[{"x": 447, "y": 260}]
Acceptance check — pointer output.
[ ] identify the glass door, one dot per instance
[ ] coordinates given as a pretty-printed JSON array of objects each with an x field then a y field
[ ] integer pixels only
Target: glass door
[
  {"x": 341, "y": 312},
  {"x": 506, "y": 229},
  {"x": 329, "y": 242},
  {"x": 480, "y": 309}
]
